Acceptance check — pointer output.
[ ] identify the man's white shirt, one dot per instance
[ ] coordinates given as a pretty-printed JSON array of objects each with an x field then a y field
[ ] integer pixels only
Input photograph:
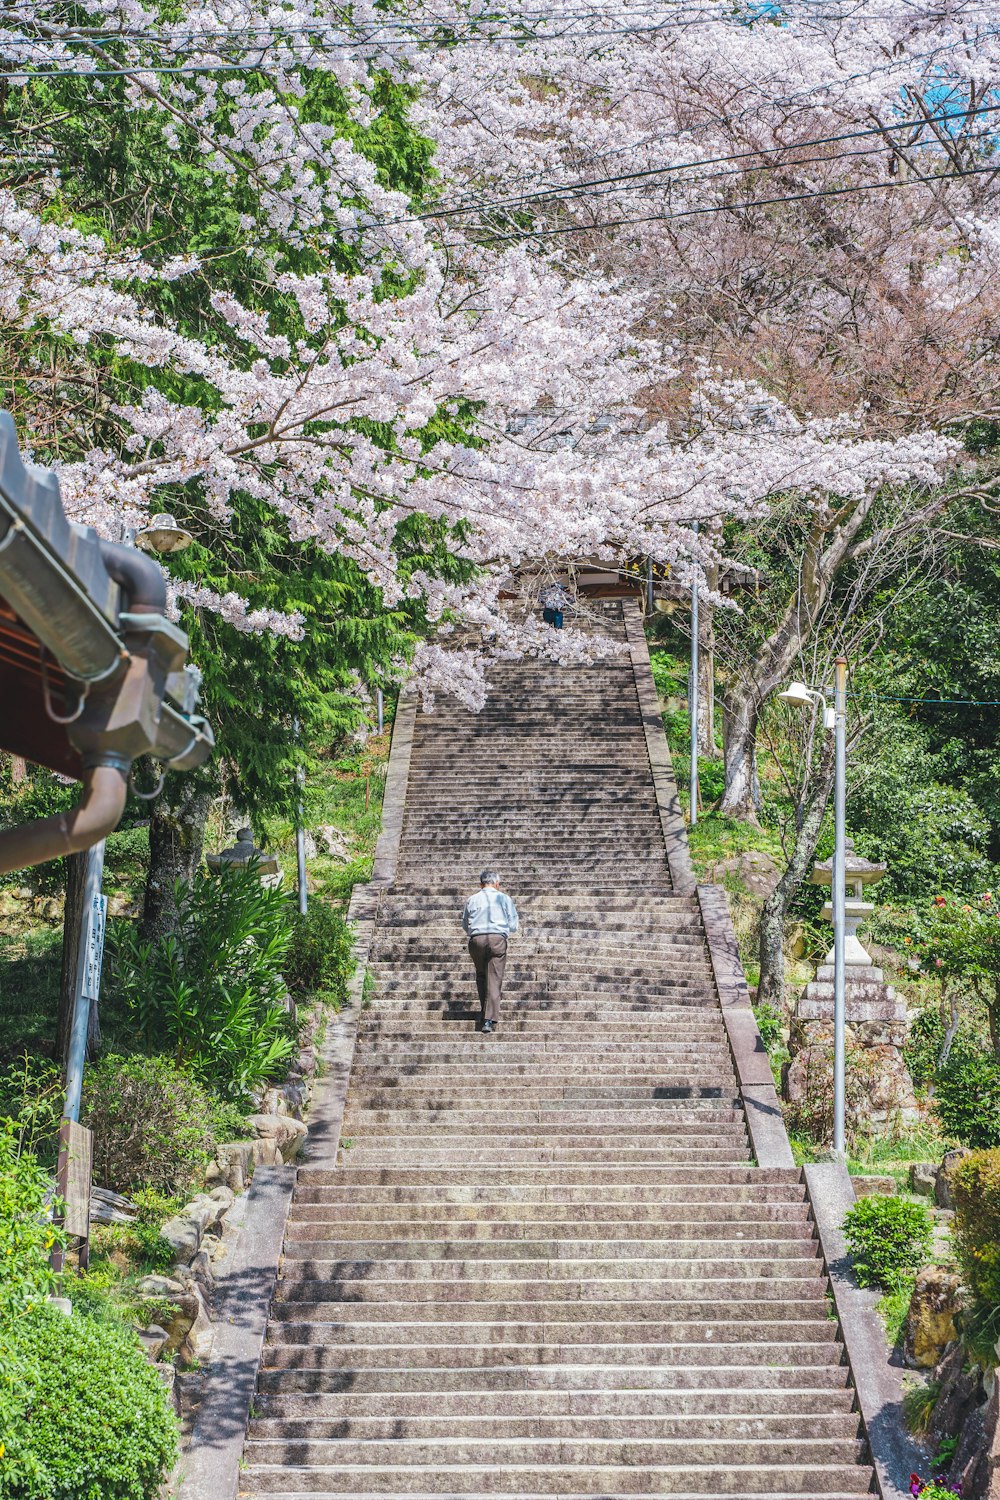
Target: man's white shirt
[{"x": 489, "y": 910}]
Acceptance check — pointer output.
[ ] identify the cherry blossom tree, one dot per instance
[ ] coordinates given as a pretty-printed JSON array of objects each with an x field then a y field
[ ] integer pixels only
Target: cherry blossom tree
[{"x": 802, "y": 199}]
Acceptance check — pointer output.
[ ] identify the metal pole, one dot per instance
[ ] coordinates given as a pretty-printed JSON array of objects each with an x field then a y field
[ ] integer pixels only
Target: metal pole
[
  {"x": 300, "y": 835},
  {"x": 88, "y": 978},
  {"x": 380, "y": 709},
  {"x": 649, "y": 585},
  {"x": 839, "y": 905},
  {"x": 693, "y": 688}
]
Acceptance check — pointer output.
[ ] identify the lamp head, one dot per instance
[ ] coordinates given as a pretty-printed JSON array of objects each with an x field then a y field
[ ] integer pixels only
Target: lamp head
[
  {"x": 799, "y": 695},
  {"x": 163, "y": 535}
]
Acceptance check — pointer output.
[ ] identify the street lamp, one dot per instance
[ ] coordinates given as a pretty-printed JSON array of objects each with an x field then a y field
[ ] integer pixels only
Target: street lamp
[
  {"x": 835, "y": 718},
  {"x": 693, "y": 686}
]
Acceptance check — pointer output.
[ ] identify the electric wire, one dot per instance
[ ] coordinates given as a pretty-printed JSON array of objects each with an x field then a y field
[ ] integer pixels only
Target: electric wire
[{"x": 563, "y": 191}]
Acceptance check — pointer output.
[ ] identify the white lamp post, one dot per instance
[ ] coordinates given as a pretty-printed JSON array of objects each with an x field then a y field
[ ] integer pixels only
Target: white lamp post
[
  {"x": 835, "y": 718},
  {"x": 693, "y": 686}
]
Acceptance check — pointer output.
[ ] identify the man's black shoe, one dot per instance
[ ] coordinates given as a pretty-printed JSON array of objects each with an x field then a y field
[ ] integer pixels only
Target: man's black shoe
[{"x": 487, "y": 1027}]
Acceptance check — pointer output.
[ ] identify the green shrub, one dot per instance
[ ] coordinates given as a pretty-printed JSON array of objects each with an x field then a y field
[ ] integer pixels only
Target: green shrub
[
  {"x": 769, "y": 1023},
  {"x": 83, "y": 1414},
  {"x": 321, "y": 954},
  {"x": 152, "y": 1123},
  {"x": 974, "y": 1184},
  {"x": 967, "y": 1097},
  {"x": 26, "y": 1232},
  {"x": 212, "y": 991},
  {"x": 887, "y": 1237}
]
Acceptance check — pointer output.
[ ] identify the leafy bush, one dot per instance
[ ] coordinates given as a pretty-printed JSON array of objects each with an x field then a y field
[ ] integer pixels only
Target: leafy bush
[
  {"x": 975, "y": 1188},
  {"x": 967, "y": 1096},
  {"x": 887, "y": 1237},
  {"x": 769, "y": 1023},
  {"x": 83, "y": 1414},
  {"x": 26, "y": 1232},
  {"x": 213, "y": 990},
  {"x": 151, "y": 1122},
  {"x": 320, "y": 957}
]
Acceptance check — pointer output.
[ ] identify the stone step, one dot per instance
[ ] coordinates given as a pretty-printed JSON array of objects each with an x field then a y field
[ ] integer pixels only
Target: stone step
[
  {"x": 527, "y": 1199},
  {"x": 510, "y": 1454},
  {"x": 679, "y": 1184},
  {"x": 356, "y": 1243},
  {"x": 817, "y": 1401},
  {"x": 327, "y": 1355},
  {"x": 467, "y": 1265},
  {"x": 503, "y": 1426},
  {"x": 597, "y": 1378},
  {"x": 576, "y": 1291},
  {"x": 546, "y": 1318},
  {"x": 803, "y": 1481},
  {"x": 509, "y": 1215},
  {"x": 725, "y": 1150}
]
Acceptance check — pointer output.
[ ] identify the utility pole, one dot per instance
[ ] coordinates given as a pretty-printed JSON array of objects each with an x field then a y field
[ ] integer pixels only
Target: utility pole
[
  {"x": 649, "y": 585},
  {"x": 693, "y": 687},
  {"x": 89, "y": 957},
  {"x": 839, "y": 904},
  {"x": 300, "y": 834}
]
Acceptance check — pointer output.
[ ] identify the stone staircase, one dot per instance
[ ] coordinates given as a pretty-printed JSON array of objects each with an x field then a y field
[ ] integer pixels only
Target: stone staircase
[{"x": 544, "y": 1263}]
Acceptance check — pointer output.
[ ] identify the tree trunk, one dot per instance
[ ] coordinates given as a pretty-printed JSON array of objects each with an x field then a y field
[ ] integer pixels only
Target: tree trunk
[
  {"x": 706, "y": 676},
  {"x": 740, "y": 749},
  {"x": 772, "y": 922},
  {"x": 176, "y": 841},
  {"x": 72, "y": 926},
  {"x": 952, "y": 1024}
]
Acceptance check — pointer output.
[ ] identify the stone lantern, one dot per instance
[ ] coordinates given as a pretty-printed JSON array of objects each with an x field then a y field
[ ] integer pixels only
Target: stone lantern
[
  {"x": 241, "y": 854},
  {"x": 875, "y": 1016},
  {"x": 859, "y": 872}
]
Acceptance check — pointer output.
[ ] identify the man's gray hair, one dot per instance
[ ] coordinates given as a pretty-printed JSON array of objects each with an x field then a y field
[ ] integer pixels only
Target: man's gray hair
[{"x": 488, "y": 877}]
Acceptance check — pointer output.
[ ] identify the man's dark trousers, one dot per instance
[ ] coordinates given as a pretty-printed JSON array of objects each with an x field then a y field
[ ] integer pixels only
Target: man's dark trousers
[{"x": 489, "y": 954}]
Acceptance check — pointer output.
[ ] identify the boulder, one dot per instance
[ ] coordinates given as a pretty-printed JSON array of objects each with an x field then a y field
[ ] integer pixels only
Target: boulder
[
  {"x": 188, "y": 1323},
  {"x": 184, "y": 1232},
  {"x": 958, "y": 1388},
  {"x": 154, "y": 1340},
  {"x": 949, "y": 1162},
  {"x": 872, "y": 1186},
  {"x": 930, "y": 1322},
  {"x": 287, "y": 1133},
  {"x": 333, "y": 843},
  {"x": 233, "y": 1163},
  {"x": 985, "y": 1478},
  {"x": 266, "y": 1154},
  {"x": 923, "y": 1177}
]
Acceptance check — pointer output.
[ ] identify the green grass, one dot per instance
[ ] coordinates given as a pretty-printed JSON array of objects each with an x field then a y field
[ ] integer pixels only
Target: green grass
[
  {"x": 891, "y": 1156},
  {"x": 893, "y": 1307},
  {"x": 29, "y": 991}
]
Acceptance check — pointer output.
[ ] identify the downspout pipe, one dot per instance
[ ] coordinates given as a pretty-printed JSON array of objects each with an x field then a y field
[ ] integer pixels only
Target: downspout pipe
[
  {"x": 105, "y": 788},
  {"x": 140, "y": 579}
]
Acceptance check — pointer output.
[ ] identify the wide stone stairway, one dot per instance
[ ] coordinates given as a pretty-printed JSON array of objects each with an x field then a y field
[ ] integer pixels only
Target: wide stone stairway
[{"x": 545, "y": 1263}]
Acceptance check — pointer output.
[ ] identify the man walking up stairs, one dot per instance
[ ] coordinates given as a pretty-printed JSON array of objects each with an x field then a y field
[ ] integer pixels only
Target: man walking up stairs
[{"x": 548, "y": 1265}]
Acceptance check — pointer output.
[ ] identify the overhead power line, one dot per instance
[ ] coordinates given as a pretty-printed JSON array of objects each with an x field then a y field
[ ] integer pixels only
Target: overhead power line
[
  {"x": 560, "y": 192},
  {"x": 539, "y": 232}
]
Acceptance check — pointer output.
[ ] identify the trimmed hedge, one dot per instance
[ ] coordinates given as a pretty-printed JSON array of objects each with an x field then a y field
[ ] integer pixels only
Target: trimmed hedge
[
  {"x": 83, "y": 1414},
  {"x": 975, "y": 1189}
]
